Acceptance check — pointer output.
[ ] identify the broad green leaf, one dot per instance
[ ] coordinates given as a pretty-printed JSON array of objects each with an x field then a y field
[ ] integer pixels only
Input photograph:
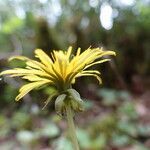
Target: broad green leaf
[
  {"x": 84, "y": 138},
  {"x": 99, "y": 143},
  {"x": 49, "y": 130},
  {"x": 63, "y": 144},
  {"x": 121, "y": 140},
  {"x": 26, "y": 137},
  {"x": 109, "y": 96}
]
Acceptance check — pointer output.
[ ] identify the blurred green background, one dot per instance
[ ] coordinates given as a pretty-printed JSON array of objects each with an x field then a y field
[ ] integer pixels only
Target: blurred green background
[{"x": 117, "y": 114}]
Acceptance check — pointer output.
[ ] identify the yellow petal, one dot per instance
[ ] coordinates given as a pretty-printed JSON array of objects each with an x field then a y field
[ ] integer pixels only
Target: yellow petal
[
  {"x": 30, "y": 62},
  {"x": 69, "y": 52},
  {"x": 94, "y": 75},
  {"x": 91, "y": 71},
  {"x": 97, "y": 62},
  {"x": 21, "y": 72},
  {"x": 35, "y": 64},
  {"x": 45, "y": 59},
  {"x": 107, "y": 53},
  {"x": 78, "y": 51},
  {"x": 35, "y": 78},
  {"x": 28, "y": 87},
  {"x": 19, "y": 58}
]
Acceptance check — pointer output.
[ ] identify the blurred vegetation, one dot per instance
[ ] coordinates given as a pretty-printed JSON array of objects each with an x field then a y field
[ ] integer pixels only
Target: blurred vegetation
[{"x": 116, "y": 116}]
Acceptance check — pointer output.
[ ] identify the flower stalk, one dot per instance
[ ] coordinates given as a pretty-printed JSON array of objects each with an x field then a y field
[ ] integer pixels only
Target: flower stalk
[{"x": 71, "y": 126}]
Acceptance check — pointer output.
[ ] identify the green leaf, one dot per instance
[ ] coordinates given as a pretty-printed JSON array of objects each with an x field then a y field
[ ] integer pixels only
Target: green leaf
[
  {"x": 109, "y": 96},
  {"x": 63, "y": 144},
  {"x": 49, "y": 130},
  {"x": 12, "y": 25},
  {"x": 128, "y": 108},
  {"x": 21, "y": 120},
  {"x": 143, "y": 129},
  {"x": 84, "y": 138},
  {"x": 89, "y": 104},
  {"x": 99, "y": 143},
  {"x": 26, "y": 137},
  {"x": 128, "y": 128},
  {"x": 121, "y": 140}
]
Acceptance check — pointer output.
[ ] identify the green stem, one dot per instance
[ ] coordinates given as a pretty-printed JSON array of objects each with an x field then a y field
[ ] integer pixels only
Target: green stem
[{"x": 72, "y": 127}]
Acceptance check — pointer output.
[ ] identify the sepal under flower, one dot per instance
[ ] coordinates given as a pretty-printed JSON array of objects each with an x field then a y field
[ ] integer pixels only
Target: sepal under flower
[{"x": 72, "y": 98}]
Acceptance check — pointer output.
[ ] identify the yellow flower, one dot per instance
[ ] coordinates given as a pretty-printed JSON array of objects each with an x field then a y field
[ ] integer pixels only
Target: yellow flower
[{"x": 60, "y": 70}]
